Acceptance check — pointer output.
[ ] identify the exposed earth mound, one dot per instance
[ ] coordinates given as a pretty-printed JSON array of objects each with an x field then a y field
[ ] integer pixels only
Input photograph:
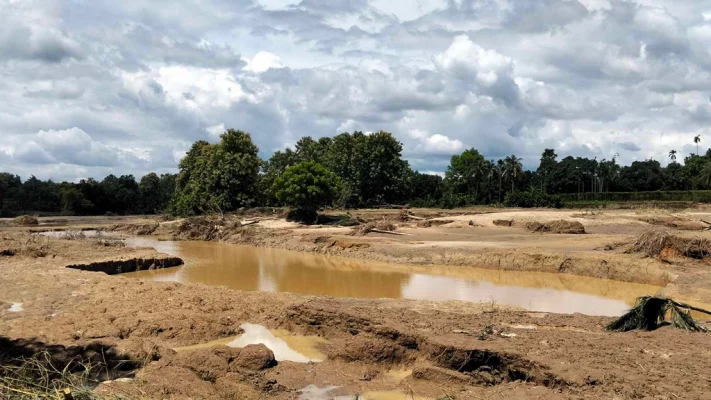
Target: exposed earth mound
[{"x": 561, "y": 227}]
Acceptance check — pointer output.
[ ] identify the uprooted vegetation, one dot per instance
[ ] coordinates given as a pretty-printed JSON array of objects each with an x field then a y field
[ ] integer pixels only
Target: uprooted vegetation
[
  {"x": 682, "y": 224},
  {"x": 382, "y": 226},
  {"x": 28, "y": 245},
  {"x": 649, "y": 313},
  {"x": 560, "y": 227},
  {"x": 430, "y": 223},
  {"x": 31, "y": 369},
  {"x": 134, "y": 229},
  {"x": 26, "y": 220},
  {"x": 504, "y": 222},
  {"x": 663, "y": 244}
]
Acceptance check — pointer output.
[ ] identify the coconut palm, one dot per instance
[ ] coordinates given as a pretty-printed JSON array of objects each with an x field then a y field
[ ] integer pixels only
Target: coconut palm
[
  {"x": 498, "y": 170},
  {"x": 672, "y": 155},
  {"x": 513, "y": 169},
  {"x": 697, "y": 140},
  {"x": 704, "y": 178}
]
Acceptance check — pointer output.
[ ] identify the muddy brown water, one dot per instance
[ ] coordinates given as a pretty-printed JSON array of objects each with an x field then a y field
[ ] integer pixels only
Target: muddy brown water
[{"x": 272, "y": 270}]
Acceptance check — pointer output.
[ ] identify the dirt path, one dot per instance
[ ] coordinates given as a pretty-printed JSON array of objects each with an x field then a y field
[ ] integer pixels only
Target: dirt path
[{"x": 469, "y": 351}]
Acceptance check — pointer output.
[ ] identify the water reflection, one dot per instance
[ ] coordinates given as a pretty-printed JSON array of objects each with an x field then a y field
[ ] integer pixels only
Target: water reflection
[{"x": 258, "y": 269}]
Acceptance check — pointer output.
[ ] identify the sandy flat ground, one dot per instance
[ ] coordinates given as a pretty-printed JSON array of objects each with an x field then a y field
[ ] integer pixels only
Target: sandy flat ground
[{"x": 432, "y": 349}]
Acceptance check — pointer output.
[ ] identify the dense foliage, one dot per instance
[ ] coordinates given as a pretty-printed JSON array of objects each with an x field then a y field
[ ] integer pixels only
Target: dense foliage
[
  {"x": 217, "y": 177},
  {"x": 356, "y": 170},
  {"x": 119, "y": 195},
  {"x": 307, "y": 186}
]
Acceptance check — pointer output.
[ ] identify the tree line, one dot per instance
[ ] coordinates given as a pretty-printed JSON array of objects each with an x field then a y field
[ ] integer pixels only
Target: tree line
[
  {"x": 112, "y": 195},
  {"x": 348, "y": 170}
]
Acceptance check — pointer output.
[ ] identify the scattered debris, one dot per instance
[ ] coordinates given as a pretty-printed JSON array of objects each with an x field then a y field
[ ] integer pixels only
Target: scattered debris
[
  {"x": 504, "y": 222},
  {"x": 561, "y": 227},
  {"x": 657, "y": 243},
  {"x": 682, "y": 224},
  {"x": 383, "y": 226},
  {"x": 430, "y": 223},
  {"x": 134, "y": 229},
  {"x": 649, "y": 313},
  {"x": 26, "y": 220}
]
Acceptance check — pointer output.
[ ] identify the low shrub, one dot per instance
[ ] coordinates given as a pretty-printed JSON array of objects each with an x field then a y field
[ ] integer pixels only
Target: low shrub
[{"x": 532, "y": 198}]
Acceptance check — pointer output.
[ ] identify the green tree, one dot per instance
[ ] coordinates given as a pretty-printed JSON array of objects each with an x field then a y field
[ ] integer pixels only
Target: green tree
[
  {"x": 513, "y": 169},
  {"x": 150, "y": 192},
  {"x": 271, "y": 170},
  {"x": 307, "y": 187},
  {"x": 675, "y": 177},
  {"x": 697, "y": 140},
  {"x": 672, "y": 155},
  {"x": 167, "y": 189},
  {"x": 73, "y": 201},
  {"x": 466, "y": 172},
  {"x": 217, "y": 177},
  {"x": 704, "y": 178},
  {"x": 547, "y": 166}
]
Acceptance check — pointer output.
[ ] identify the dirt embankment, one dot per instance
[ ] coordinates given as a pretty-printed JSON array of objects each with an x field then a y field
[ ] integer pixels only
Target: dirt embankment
[{"x": 433, "y": 349}]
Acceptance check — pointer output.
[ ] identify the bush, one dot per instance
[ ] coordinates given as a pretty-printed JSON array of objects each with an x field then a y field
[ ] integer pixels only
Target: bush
[
  {"x": 700, "y": 196},
  {"x": 307, "y": 187},
  {"x": 532, "y": 198}
]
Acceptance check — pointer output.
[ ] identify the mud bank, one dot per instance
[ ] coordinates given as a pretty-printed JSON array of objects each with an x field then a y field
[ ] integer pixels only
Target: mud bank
[
  {"x": 132, "y": 265},
  {"x": 426, "y": 349}
]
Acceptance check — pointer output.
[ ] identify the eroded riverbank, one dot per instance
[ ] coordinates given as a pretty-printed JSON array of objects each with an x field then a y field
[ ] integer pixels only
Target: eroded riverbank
[{"x": 463, "y": 349}]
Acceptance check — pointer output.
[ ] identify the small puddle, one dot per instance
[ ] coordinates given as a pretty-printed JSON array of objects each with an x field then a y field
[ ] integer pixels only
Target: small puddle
[
  {"x": 16, "y": 307},
  {"x": 285, "y": 345}
]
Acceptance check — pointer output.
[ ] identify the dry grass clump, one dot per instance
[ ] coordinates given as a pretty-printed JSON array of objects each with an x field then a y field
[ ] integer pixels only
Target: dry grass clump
[
  {"x": 561, "y": 227},
  {"x": 655, "y": 243},
  {"x": 28, "y": 245},
  {"x": 431, "y": 223},
  {"x": 503, "y": 222},
  {"x": 26, "y": 220},
  {"x": 38, "y": 378}
]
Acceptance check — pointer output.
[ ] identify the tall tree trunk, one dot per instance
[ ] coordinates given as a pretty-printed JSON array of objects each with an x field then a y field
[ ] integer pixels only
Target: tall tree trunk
[{"x": 499, "y": 190}]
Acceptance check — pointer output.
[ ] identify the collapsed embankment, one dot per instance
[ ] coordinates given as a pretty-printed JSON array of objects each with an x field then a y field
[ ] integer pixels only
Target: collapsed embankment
[{"x": 131, "y": 265}]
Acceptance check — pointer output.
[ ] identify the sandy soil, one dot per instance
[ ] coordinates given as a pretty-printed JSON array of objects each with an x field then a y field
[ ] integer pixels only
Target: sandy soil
[{"x": 470, "y": 351}]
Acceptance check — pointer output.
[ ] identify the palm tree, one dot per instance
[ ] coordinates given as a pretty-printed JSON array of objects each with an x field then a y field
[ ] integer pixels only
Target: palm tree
[
  {"x": 499, "y": 171},
  {"x": 513, "y": 169},
  {"x": 672, "y": 155},
  {"x": 697, "y": 140},
  {"x": 704, "y": 178},
  {"x": 475, "y": 170}
]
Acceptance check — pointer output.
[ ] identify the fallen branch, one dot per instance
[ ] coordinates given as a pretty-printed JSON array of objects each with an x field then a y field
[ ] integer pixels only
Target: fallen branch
[
  {"x": 410, "y": 216},
  {"x": 388, "y": 232},
  {"x": 247, "y": 223},
  {"x": 708, "y": 228}
]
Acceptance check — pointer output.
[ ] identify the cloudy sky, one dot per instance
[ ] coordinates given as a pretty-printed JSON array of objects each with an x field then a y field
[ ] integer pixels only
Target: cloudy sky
[{"x": 92, "y": 87}]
